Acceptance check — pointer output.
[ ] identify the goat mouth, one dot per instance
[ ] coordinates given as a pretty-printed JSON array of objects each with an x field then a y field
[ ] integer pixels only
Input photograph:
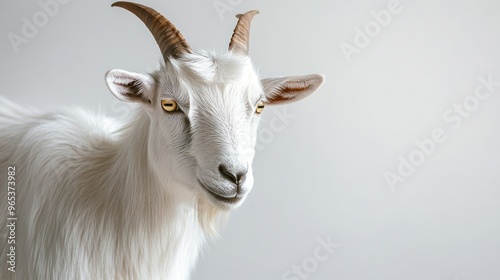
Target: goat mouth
[{"x": 228, "y": 200}]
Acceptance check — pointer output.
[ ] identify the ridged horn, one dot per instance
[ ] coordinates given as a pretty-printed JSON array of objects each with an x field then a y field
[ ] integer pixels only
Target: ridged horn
[
  {"x": 241, "y": 35},
  {"x": 167, "y": 36}
]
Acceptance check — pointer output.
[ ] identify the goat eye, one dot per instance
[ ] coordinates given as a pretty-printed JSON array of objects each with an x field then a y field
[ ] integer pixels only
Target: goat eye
[
  {"x": 260, "y": 107},
  {"x": 169, "y": 105}
]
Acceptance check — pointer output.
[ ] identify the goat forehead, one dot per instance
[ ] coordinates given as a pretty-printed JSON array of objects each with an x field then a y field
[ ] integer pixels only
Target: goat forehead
[
  {"x": 228, "y": 94},
  {"x": 206, "y": 70},
  {"x": 206, "y": 80},
  {"x": 225, "y": 78},
  {"x": 210, "y": 67}
]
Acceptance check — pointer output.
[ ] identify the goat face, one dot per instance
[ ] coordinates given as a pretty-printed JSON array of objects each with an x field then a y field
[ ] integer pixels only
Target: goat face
[{"x": 204, "y": 111}]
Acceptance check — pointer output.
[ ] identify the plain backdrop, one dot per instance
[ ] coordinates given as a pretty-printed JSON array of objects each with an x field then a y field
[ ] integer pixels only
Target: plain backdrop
[{"x": 321, "y": 164}]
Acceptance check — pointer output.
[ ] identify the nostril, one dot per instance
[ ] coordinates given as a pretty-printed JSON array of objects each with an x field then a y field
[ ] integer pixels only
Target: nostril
[
  {"x": 224, "y": 171},
  {"x": 240, "y": 176},
  {"x": 235, "y": 178}
]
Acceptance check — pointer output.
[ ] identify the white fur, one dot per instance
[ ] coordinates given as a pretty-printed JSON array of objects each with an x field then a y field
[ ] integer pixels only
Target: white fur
[{"x": 120, "y": 199}]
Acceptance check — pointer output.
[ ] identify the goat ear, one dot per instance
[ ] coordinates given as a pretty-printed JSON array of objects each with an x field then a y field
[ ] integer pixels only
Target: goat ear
[
  {"x": 282, "y": 90},
  {"x": 131, "y": 87}
]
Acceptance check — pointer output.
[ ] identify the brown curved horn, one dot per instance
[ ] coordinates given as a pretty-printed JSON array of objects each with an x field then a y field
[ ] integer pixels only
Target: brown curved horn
[
  {"x": 240, "y": 39},
  {"x": 168, "y": 38}
]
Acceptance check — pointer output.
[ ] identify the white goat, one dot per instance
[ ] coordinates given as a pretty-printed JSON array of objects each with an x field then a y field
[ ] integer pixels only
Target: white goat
[{"x": 95, "y": 199}]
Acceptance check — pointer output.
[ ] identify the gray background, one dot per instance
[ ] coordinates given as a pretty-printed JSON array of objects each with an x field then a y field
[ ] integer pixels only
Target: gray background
[{"x": 321, "y": 173}]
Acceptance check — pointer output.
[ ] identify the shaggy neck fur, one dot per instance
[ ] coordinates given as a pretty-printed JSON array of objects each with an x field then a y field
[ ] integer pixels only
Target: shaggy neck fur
[
  {"x": 164, "y": 225},
  {"x": 99, "y": 210}
]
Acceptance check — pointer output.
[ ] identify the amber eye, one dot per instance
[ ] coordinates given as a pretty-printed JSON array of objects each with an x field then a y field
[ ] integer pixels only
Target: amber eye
[
  {"x": 169, "y": 105},
  {"x": 260, "y": 107}
]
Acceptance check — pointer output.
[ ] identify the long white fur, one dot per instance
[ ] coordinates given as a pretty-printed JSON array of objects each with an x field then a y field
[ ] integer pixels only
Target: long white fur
[{"x": 98, "y": 198}]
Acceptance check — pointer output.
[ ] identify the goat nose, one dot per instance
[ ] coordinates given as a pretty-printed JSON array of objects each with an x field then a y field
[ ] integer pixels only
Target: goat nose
[{"x": 234, "y": 177}]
